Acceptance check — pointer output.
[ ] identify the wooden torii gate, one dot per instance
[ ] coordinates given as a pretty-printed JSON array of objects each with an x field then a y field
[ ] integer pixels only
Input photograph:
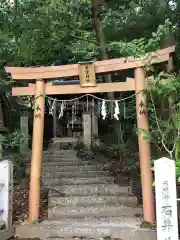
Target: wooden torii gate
[{"x": 87, "y": 72}]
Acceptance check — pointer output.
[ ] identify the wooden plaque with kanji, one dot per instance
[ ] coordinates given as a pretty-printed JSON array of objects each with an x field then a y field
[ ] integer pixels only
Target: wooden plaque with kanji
[{"x": 87, "y": 74}]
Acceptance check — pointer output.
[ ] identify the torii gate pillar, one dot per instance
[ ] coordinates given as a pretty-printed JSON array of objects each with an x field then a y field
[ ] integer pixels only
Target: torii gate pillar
[
  {"x": 144, "y": 146},
  {"x": 37, "y": 148}
]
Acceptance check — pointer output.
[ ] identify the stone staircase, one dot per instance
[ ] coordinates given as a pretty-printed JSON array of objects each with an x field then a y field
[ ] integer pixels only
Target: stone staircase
[{"x": 84, "y": 202}]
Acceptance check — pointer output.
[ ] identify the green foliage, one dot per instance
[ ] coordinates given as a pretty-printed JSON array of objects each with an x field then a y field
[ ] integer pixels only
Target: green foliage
[
  {"x": 12, "y": 140},
  {"x": 36, "y": 222},
  {"x": 57, "y": 32},
  {"x": 113, "y": 150},
  {"x": 131, "y": 157},
  {"x": 106, "y": 145},
  {"x": 164, "y": 112},
  {"x": 82, "y": 151},
  {"x": 19, "y": 167},
  {"x": 177, "y": 165},
  {"x": 9, "y": 146},
  {"x": 177, "y": 19},
  {"x": 125, "y": 154},
  {"x": 139, "y": 47},
  {"x": 79, "y": 145}
]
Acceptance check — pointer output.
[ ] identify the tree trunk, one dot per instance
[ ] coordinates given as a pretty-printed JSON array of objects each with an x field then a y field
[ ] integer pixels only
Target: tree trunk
[
  {"x": 103, "y": 53},
  {"x": 100, "y": 37}
]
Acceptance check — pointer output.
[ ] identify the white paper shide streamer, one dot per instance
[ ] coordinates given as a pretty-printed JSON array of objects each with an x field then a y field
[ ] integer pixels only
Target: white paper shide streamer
[
  {"x": 116, "y": 111},
  {"x": 52, "y": 108},
  {"x": 103, "y": 110},
  {"x": 61, "y": 113}
]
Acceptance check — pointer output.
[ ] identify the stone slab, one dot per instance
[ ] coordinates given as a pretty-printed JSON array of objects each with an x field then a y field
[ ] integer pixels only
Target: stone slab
[
  {"x": 59, "y": 174},
  {"x": 96, "y": 222},
  {"x": 58, "y": 161},
  {"x": 72, "y": 168},
  {"x": 69, "y": 232},
  {"x": 69, "y": 181},
  {"x": 92, "y": 200},
  {"x": 59, "y": 152},
  {"x": 95, "y": 211},
  {"x": 60, "y": 157},
  {"x": 90, "y": 189},
  {"x": 7, "y": 234}
]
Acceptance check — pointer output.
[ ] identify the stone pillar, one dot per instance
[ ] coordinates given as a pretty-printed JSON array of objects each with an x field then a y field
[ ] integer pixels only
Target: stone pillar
[
  {"x": 87, "y": 129},
  {"x": 144, "y": 146},
  {"x": 54, "y": 121},
  {"x": 24, "y": 130},
  {"x": 37, "y": 148},
  {"x": 94, "y": 124},
  {"x": 94, "y": 120}
]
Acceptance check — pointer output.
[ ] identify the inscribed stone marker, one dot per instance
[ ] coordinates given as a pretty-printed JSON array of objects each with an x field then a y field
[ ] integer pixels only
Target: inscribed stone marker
[{"x": 166, "y": 199}]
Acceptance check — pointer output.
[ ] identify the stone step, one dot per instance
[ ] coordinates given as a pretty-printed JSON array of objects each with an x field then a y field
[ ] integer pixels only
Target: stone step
[
  {"x": 89, "y": 190},
  {"x": 92, "y": 200},
  {"x": 61, "y": 156},
  {"x": 56, "y": 160},
  {"x": 55, "y": 231},
  {"x": 52, "y": 156},
  {"x": 72, "y": 168},
  {"x": 69, "y": 143},
  {"x": 94, "y": 211},
  {"x": 64, "y": 162},
  {"x": 69, "y": 181},
  {"x": 60, "y": 174},
  {"x": 96, "y": 221},
  {"x": 59, "y": 152}
]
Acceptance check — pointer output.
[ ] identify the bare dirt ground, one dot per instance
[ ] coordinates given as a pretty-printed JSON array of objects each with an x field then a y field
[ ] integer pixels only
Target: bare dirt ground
[{"x": 20, "y": 204}]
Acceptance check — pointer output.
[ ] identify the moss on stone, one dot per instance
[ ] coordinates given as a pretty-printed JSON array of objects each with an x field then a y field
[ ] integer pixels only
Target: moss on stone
[{"x": 147, "y": 225}]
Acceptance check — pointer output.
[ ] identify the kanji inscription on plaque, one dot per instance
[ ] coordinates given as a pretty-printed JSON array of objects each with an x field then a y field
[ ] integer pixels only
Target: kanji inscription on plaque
[{"x": 87, "y": 74}]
